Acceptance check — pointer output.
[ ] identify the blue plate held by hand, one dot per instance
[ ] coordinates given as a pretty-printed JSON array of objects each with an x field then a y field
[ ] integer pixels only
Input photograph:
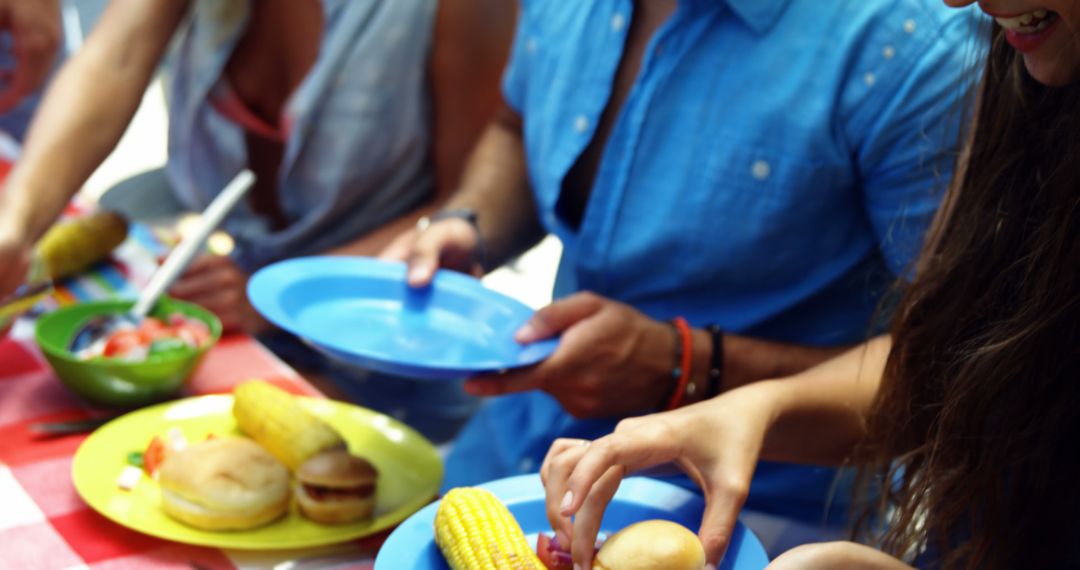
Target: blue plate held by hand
[
  {"x": 362, "y": 311},
  {"x": 412, "y": 545}
]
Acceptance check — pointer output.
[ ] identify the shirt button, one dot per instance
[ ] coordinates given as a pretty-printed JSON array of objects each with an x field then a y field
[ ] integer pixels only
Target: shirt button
[
  {"x": 888, "y": 52},
  {"x": 909, "y": 26},
  {"x": 761, "y": 170},
  {"x": 618, "y": 22},
  {"x": 581, "y": 124},
  {"x": 530, "y": 46},
  {"x": 526, "y": 465},
  {"x": 869, "y": 79}
]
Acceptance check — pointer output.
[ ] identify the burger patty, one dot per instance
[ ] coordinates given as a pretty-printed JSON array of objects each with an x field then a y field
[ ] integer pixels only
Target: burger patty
[{"x": 320, "y": 493}]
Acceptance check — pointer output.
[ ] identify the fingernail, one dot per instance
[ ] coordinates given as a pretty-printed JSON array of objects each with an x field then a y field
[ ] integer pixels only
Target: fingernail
[
  {"x": 526, "y": 333},
  {"x": 418, "y": 274},
  {"x": 567, "y": 500},
  {"x": 710, "y": 567},
  {"x": 577, "y": 566}
]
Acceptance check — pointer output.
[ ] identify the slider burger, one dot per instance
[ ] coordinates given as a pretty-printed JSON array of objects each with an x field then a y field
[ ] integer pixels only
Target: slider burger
[
  {"x": 224, "y": 484},
  {"x": 335, "y": 487},
  {"x": 651, "y": 545}
]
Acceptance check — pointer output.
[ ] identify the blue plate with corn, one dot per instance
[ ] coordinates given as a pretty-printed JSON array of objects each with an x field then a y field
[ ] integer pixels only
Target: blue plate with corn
[{"x": 412, "y": 545}]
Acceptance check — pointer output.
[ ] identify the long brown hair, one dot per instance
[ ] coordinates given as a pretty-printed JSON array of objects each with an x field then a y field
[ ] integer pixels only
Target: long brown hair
[{"x": 977, "y": 426}]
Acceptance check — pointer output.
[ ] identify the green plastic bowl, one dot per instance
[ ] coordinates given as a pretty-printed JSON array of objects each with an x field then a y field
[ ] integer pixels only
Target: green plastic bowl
[{"x": 114, "y": 383}]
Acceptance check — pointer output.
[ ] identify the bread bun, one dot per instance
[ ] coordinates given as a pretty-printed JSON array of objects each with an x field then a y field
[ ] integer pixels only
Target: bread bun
[
  {"x": 651, "y": 545},
  {"x": 335, "y": 487},
  {"x": 224, "y": 484}
]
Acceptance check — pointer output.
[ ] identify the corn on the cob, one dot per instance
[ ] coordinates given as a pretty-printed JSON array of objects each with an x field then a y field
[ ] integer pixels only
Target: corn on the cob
[
  {"x": 475, "y": 531},
  {"x": 73, "y": 245},
  {"x": 278, "y": 422}
]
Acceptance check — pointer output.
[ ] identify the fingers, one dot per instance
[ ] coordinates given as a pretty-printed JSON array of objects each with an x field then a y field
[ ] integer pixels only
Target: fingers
[
  {"x": 721, "y": 512},
  {"x": 449, "y": 243},
  {"x": 631, "y": 451},
  {"x": 506, "y": 383},
  {"x": 588, "y": 519},
  {"x": 558, "y": 464},
  {"x": 208, "y": 275},
  {"x": 558, "y": 316}
]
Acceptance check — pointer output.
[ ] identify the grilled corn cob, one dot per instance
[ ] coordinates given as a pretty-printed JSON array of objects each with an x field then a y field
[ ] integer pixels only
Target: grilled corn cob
[
  {"x": 73, "y": 245},
  {"x": 475, "y": 531},
  {"x": 278, "y": 422}
]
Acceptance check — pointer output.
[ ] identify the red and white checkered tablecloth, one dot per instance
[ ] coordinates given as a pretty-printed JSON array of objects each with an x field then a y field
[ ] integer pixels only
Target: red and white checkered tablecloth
[{"x": 44, "y": 524}]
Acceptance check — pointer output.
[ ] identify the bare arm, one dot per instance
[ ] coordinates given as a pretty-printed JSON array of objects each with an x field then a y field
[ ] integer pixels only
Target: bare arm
[
  {"x": 819, "y": 416},
  {"x": 471, "y": 42},
  {"x": 816, "y": 417},
  {"x": 85, "y": 111},
  {"x": 496, "y": 186}
]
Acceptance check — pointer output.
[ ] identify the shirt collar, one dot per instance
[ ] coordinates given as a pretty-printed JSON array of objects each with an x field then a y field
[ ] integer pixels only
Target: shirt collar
[{"x": 759, "y": 15}]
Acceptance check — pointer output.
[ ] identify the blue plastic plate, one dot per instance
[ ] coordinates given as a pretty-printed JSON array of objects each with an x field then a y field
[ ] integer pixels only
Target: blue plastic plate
[
  {"x": 412, "y": 545},
  {"x": 361, "y": 311}
]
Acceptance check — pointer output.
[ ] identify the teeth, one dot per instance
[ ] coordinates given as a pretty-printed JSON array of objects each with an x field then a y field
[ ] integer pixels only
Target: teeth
[{"x": 1023, "y": 23}]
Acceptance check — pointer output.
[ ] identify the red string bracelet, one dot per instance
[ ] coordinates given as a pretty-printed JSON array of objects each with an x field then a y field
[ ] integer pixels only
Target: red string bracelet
[{"x": 684, "y": 351}]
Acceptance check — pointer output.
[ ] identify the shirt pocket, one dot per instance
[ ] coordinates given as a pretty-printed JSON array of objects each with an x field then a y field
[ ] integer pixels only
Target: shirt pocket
[{"x": 773, "y": 214}]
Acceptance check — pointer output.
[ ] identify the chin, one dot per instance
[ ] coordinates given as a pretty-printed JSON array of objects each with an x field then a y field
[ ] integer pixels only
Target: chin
[{"x": 1052, "y": 74}]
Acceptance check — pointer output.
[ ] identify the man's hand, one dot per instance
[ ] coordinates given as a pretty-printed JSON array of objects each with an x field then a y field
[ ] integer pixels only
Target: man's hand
[
  {"x": 34, "y": 26},
  {"x": 612, "y": 361},
  {"x": 216, "y": 283},
  {"x": 716, "y": 442},
  {"x": 449, "y": 244}
]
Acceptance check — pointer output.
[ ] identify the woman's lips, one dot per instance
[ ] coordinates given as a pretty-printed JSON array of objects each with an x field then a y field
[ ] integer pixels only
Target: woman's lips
[{"x": 1029, "y": 38}]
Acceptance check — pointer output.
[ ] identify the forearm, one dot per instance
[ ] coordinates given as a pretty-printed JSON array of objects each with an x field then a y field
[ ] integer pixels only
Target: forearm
[
  {"x": 818, "y": 416},
  {"x": 495, "y": 185},
  {"x": 83, "y": 115},
  {"x": 747, "y": 360}
]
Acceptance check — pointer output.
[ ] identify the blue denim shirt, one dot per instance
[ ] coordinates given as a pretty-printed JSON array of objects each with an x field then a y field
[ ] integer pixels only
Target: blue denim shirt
[
  {"x": 358, "y": 152},
  {"x": 773, "y": 169}
]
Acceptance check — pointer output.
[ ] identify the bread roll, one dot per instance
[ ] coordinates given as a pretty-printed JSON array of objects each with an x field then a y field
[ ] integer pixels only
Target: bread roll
[
  {"x": 335, "y": 487},
  {"x": 224, "y": 484},
  {"x": 651, "y": 545}
]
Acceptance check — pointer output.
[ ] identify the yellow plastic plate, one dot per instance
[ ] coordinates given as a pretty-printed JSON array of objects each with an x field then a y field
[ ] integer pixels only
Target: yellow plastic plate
[{"x": 410, "y": 472}]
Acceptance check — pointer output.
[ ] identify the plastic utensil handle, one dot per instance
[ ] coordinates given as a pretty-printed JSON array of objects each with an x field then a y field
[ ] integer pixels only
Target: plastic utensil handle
[{"x": 178, "y": 260}]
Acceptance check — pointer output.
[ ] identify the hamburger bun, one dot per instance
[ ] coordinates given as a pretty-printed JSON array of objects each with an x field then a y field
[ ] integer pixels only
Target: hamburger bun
[
  {"x": 224, "y": 484},
  {"x": 651, "y": 545},
  {"x": 336, "y": 487}
]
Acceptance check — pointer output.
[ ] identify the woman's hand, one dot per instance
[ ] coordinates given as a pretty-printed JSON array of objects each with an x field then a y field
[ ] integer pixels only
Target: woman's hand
[
  {"x": 15, "y": 259},
  {"x": 716, "y": 442},
  {"x": 612, "y": 361},
  {"x": 450, "y": 243},
  {"x": 217, "y": 284}
]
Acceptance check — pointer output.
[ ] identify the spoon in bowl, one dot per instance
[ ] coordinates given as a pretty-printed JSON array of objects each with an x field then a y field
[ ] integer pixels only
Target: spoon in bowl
[{"x": 178, "y": 259}]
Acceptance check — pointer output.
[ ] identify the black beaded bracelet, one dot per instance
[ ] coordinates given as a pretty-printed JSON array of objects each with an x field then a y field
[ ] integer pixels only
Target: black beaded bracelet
[{"x": 716, "y": 360}]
